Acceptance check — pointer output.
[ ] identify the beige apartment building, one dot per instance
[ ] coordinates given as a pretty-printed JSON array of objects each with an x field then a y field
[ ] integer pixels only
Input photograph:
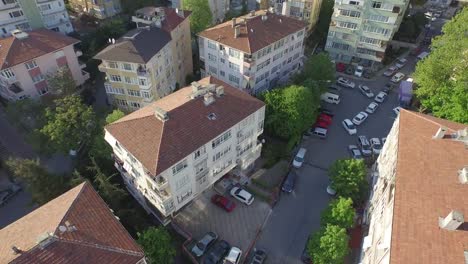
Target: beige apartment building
[
  {"x": 172, "y": 150},
  {"x": 28, "y": 57},
  {"x": 149, "y": 62},
  {"x": 98, "y": 8},
  {"x": 418, "y": 205}
]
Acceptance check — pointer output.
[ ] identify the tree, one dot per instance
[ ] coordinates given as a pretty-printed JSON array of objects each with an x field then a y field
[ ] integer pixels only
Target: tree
[
  {"x": 289, "y": 111},
  {"x": 114, "y": 116},
  {"x": 264, "y": 4},
  {"x": 329, "y": 245},
  {"x": 442, "y": 77},
  {"x": 42, "y": 185},
  {"x": 318, "y": 70},
  {"x": 158, "y": 245},
  {"x": 201, "y": 17},
  {"x": 340, "y": 212},
  {"x": 326, "y": 11},
  {"x": 61, "y": 82},
  {"x": 69, "y": 124},
  {"x": 348, "y": 178},
  {"x": 26, "y": 113}
]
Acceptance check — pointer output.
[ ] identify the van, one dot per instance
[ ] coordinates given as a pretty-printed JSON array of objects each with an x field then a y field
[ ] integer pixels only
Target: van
[
  {"x": 320, "y": 132},
  {"x": 330, "y": 98},
  {"x": 299, "y": 158},
  {"x": 423, "y": 55}
]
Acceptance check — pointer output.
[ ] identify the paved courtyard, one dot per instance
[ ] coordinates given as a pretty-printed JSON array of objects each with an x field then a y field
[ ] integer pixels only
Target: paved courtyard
[{"x": 238, "y": 227}]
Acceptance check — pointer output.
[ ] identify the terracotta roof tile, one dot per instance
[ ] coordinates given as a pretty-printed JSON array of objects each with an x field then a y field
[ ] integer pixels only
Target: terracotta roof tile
[
  {"x": 159, "y": 145},
  {"x": 173, "y": 19},
  {"x": 426, "y": 188},
  {"x": 255, "y": 33}
]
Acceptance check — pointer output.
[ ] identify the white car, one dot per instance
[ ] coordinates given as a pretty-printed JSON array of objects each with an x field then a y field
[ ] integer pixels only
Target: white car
[
  {"x": 366, "y": 91},
  {"x": 349, "y": 126},
  {"x": 345, "y": 82},
  {"x": 375, "y": 145},
  {"x": 359, "y": 70},
  {"x": 360, "y": 118},
  {"x": 380, "y": 98},
  {"x": 372, "y": 107},
  {"x": 401, "y": 62},
  {"x": 233, "y": 256},
  {"x": 242, "y": 195},
  {"x": 396, "y": 110},
  {"x": 397, "y": 77}
]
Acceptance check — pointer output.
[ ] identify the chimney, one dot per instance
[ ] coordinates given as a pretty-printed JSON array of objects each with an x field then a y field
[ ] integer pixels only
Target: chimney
[
  {"x": 220, "y": 91},
  {"x": 16, "y": 250},
  {"x": 463, "y": 175},
  {"x": 196, "y": 87},
  {"x": 440, "y": 133},
  {"x": 161, "y": 114},
  {"x": 236, "y": 31},
  {"x": 453, "y": 220},
  {"x": 233, "y": 22},
  {"x": 180, "y": 12},
  {"x": 208, "y": 98}
]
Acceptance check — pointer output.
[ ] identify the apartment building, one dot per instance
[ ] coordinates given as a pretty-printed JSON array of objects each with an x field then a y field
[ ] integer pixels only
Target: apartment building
[
  {"x": 305, "y": 10},
  {"x": 33, "y": 14},
  {"x": 218, "y": 8},
  {"x": 76, "y": 227},
  {"x": 418, "y": 204},
  {"x": 254, "y": 52},
  {"x": 29, "y": 57},
  {"x": 149, "y": 62},
  {"x": 100, "y": 9},
  {"x": 172, "y": 150},
  {"x": 361, "y": 29}
]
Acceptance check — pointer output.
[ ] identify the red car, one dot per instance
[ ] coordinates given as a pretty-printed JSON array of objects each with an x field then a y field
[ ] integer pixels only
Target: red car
[
  {"x": 325, "y": 118},
  {"x": 223, "y": 202},
  {"x": 322, "y": 124}
]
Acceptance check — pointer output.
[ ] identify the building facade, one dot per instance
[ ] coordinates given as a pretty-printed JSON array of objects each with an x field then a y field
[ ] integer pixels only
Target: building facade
[
  {"x": 361, "y": 29},
  {"x": 197, "y": 135},
  {"x": 149, "y": 62},
  {"x": 218, "y": 8},
  {"x": 305, "y": 10},
  {"x": 100, "y": 9},
  {"x": 33, "y": 14},
  {"x": 253, "y": 53},
  {"x": 417, "y": 202},
  {"x": 29, "y": 57}
]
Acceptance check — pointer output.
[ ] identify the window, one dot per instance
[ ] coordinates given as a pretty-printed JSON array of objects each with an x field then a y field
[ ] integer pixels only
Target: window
[
  {"x": 45, "y": 7},
  {"x": 298, "y": 45},
  {"x": 43, "y": 90},
  {"x": 263, "y": 52},
  {"x": 199, "y": 152},
  {"x": 134, "y": 104},
  {"x": 274, "y": 69},
  {"x": 340, "y": 46},
  {"x": 31, "y": 64},
  {"x": 221, "y": 168},
  {"x": 376, "y": 4},
  {"x": 147, "y": 94},
  {"x": 127, "y": 66},
  {"x": 213, "y": 70},
  {"x": 129, "y": 80},
  {"x": 7, "y": 2},
  {"x": 7, "y": 73},
  {"x": 224, "y": 137},
  {"x": 222, "y": 73},
  {"x": 234, "y": 66},
  {"x": 350, "y": 13},
  {"x": 371, "y": 41},
  {"x": 211, "y": 45},
  {"x": 114, "y": 90},
  {"x": 349, "y": 25},
  {"x": 354, "y": 3},
  {"x": 277, "y": 56},
  {"x": 377, "y": 30},
  {"x": 142, "y": 82},
  {"x": 220, "y": 154},
  {"x": 262, "y": 77},
  {"x": 120, "y": 102},
  {"x": 16, "y": 13},
  {"x": 366, "y": 51},
  {"x": 244, "y": 149},
  {"x": 135, "y": 93},
  {"x": 22, "y": 26},
  {"x": 212, "y": 57},
  {"x": 379, "y": 18},
  {"x": 115, "y": 78},
  {"x": 296, "y": 56},
  {"x": 4, "y": 30},
  {"x": 234, "y": 79},
  {"x": 263, "y": 64},
  {"x": 112, "y": 65},
  {"x": 179, "y": 167},
  {"x": 234, "y": 53},
  {"x": 38, "y": 78},
  {"x": 182, "y": 182},
  {"x": 222, "y": 60},
  {"x": 278, "y": 44},
  {"x": 300, "y": 33}
]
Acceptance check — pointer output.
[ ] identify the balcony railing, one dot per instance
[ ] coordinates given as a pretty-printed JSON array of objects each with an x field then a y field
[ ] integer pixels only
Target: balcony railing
[
  {"x": 143, "y": 73},
  {"x": 161, "y": 183},
  {"x": 8, "y": 80},
  {"x": 249, "y": 62}
]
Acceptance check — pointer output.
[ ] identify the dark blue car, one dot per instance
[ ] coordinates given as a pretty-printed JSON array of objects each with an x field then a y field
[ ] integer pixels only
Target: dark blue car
[{"x": 288, "y": 184}]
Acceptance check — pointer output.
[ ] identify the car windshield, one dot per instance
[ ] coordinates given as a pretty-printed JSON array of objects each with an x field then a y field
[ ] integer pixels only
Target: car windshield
[
  {"x": 365, "y": 146},
  {"x": 238, "y": 191},
  {"x": 299, "y": 159},
  {"x": 201, "y": 246},
  {"x": 350, "y": 125}
]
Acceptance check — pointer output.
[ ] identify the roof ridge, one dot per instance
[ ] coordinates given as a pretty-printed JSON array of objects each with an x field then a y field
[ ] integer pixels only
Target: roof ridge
[
  {"x": 159, "y": 147},
  {"x": 109, "y": 248},
  {"x": 422, "y": 116},
  {"x": 84, "y": 183}
]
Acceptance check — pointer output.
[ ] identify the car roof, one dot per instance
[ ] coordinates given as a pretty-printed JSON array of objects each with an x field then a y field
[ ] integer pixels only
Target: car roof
[
  {"x": 347, "y": 121},
  {"x": 245, "y": 194},
  {"x": 320, "y": 129}
]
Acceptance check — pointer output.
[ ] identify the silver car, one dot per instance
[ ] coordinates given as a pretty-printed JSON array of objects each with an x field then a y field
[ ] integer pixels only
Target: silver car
[
  {"x": 204, "y": 243},
  {"x": 365, "y": 146}
]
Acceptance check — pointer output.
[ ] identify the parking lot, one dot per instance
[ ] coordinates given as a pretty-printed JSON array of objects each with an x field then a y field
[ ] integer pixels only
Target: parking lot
[{"x": 297, "y": 215}]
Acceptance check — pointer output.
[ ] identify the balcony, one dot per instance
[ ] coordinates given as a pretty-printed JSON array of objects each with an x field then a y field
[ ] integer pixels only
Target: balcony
[
  {"x": 102, "y": 67},
  {"x": 381, "y": 47},
  {"x": 161, "y": 183},
  {"x": 143, "y": 73},
  {"x": 249, "y": 62},
  {"x": 10, "y": 4},
  {"x": 245, "y": 161},
  {"x": 8, "y": 80}
]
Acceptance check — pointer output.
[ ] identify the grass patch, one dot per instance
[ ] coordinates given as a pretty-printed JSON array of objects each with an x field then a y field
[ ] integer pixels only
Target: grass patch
[
  {"x": 262, "y": 184},
  {"x": 261, "y": 196},
  {"x": 274, "y": 152}
]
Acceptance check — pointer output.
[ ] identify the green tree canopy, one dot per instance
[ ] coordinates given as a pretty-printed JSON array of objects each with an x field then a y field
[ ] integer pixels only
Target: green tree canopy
[
  {"x": 339, "y": 212},
  {"x": 318, "y": 70},
  {"x": 329, "y": 245},
  {"x": 326, "y": 11},
  {"x": 69, "y": 123},
  {"x": 114, "y": 116},
  {"x": 158, "y": 245},
  {"x": 201, "y": 17},
  {"x": 442, "y": 77},
  {"x": 61, "y": 82},
  {"x": 348, "y": 178},
  {"x": 289, "y": 111}
]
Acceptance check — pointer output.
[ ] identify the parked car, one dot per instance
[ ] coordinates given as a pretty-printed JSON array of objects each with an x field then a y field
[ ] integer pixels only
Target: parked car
[
  {"x": 355, "y": 152},
  {"x": 366, "y": 91},
  {"x": 305, "y": 256},
  {"x": 320, "y": 123},
  {"x": 330, "y": 98},
  {"x": 325, "y": 118},
  {"x": 360, "y": 118},
  {"x": 218, "y": 252},
  {"x": 388, "y": 87},
  {"x": 359, "y": 70},
  {"x": 288, "y": 184},
  {"x": 372, "y": 107},
  {"x": 390, "y": 71},
  {"x": 364, "y": 145},
  {"x": 397, "y": 77},
  {"x": 330, "y": 190},
  {"x": 401, "y": 62},
  {"x": 223, "y": 202},
  {"x": 375, "y": 145},
  {"x": 326, "y": 111},
  {"x": 204, "y": 243},
  {"x": 7, "y": 194},
  {"x": 334, "y": 88},
  {"x": 349, "y": 126},
  {"x": 234, "y": 256},
  {"x": 242, "y": 195},
  {"x": 259, "y": 257},
  {"x": 380, "y": 97},
  {"x": 320, "y": 132},
  {"x": 299, "y": 158},
  {"x": 345, "y": 82},
  {"x": 396, "y": 110}
]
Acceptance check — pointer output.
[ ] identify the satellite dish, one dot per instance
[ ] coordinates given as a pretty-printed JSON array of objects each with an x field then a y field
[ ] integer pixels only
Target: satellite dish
[{"x": 62, "y": 228}]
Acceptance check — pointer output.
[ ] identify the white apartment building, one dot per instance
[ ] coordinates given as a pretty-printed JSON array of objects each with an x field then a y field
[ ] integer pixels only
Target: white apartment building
[
  {"x": 254, "y": 52},
  {"x": 361, "y": 29},
  {"x": 418, "y": 204},
  {"x": 177, "y": 147},
  {"x": 33, "y": 14}
]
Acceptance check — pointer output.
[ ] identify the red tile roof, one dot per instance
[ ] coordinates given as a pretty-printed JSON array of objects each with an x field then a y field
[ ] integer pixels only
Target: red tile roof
[
  {"x": 426, "y": 188},
  {"x": 99, "y": 237},
  {"x": 159, "y": 145},
  {"x": 39, "y": 42},
  {"x": 173, "y": 19},
  {"x": 255, "y": 33}
]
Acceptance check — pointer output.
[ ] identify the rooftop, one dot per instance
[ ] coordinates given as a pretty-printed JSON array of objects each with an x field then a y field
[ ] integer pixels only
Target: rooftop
[
  {"x": 76, "y": 227},
  {"x": 257, "y": 30},
  {"x": 158, "y": 145},
  {"x": 427, "y": 187},
  {"x": 29, "y": 45},
  {"x": 172, "y": 17}
]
